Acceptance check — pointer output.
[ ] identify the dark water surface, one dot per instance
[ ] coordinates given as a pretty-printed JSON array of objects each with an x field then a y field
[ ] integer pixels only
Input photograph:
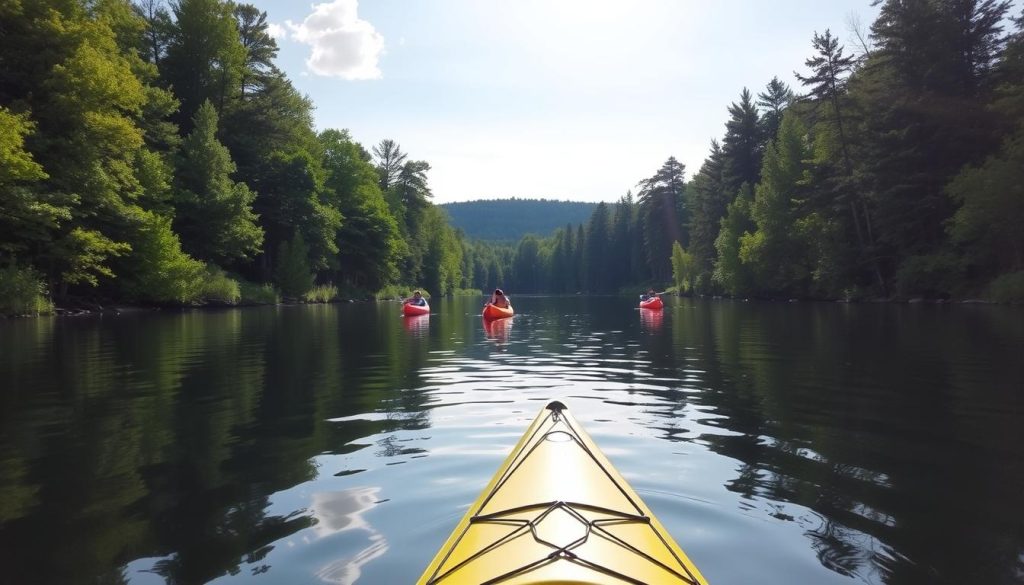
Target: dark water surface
[{"x": 779, "y": 443}]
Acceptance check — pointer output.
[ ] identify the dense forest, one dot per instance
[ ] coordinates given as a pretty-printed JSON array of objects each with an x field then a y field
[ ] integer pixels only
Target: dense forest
[
  {"x": 895, "y": 170},
  {"x": 508, "y": 220},
  {"x": 154, "y": 153}
]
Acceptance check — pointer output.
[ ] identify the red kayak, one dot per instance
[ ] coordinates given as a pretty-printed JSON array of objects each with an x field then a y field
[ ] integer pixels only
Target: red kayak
[
  {"x": 410, "y": 310},
  {"x": 495, "y": 312},
  {"x": 652, "y": 303}
]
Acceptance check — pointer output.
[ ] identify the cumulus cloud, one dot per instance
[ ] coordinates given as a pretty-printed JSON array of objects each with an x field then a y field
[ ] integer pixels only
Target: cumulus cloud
[
  {"x": 343, "y": 45},
  {"x": 277, "y": 32}
]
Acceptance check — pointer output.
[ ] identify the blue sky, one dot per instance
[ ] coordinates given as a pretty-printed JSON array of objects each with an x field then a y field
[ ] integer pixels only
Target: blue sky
[{"x": 566, "y": 99}]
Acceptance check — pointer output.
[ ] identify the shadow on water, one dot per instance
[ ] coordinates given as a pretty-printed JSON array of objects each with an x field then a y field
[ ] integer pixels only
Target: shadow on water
[{"x": 340, "y": 443}]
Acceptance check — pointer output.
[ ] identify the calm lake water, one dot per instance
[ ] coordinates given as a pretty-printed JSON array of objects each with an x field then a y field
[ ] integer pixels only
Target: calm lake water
[{"x": 779, "y": 443}]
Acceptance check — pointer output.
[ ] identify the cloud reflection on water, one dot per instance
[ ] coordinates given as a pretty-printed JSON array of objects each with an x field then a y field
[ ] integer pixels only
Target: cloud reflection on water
[{"x": 341, "y": 511}]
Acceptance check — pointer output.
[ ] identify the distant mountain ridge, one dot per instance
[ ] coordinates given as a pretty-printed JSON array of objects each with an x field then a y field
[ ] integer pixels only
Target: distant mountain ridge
[{"x": 507, "y": 220}]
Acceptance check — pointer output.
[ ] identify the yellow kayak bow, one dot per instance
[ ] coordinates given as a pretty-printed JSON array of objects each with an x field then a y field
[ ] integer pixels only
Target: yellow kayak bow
[{"x": 558, "y": 513}]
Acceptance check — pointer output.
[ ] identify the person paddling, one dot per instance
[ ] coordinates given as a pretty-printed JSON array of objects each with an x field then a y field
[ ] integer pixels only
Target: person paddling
[
  {"x": 416, "y": 299},
  {"x": 650, "y": 294},
  {"x": 498, "y": 299}
]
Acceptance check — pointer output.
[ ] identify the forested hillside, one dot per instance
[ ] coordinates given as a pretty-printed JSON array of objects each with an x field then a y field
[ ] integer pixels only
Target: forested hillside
[
  {"x": 508, "y": 220},
  {"x": 895, "y": 170},
  {"x": 153, "y": 152}
]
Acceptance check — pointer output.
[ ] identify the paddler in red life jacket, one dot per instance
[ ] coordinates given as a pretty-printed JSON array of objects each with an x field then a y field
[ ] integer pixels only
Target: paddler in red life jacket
[
  {"x": 417, "y": 299},
  {"x": 498, "y": 299}
]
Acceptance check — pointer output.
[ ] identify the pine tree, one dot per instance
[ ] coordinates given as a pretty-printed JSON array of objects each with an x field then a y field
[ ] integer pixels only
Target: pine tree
[
  {"x": 596, "y": 267},
  {"x": 776, "y": 97},
  {"x": 664, "y": 216},
  {"x": 708, "y": 201},
  {"x": 741, "y": 147}
]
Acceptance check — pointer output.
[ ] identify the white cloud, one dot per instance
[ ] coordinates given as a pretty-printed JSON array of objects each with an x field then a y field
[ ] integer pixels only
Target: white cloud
[
  {"x": 343, "y": 45},
  {"x": 277, "y": 31}
]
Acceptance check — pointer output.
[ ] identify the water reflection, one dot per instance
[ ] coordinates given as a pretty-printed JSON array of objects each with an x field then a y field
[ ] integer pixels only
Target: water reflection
[
  {"x": 339, "y": 511},
  {"x": 417, "y": 325},
  {"x": 651, "y": 319},
  {"x": 817, "y": 442},
  {"x": 498, "y": 329}
]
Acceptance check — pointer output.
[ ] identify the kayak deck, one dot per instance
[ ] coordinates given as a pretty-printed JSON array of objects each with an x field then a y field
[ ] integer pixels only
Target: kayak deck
[
  {"x": 653, "y": 304},
  {"x": 557, "y": 512},
  {"x": 495, "y": 312}
]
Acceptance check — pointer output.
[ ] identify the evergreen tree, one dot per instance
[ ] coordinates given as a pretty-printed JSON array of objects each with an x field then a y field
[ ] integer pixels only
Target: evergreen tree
[
  {"x": 205, "y": 56},
  {"x": 708, "y": 201},
  {"x": 774, "y": 100},
  {"x": 774, "y": 250},
  {"x": 741, "y": 148},
  {"x": 526, "y": 267},
  {"x": 214, "y": 214},
  {"x": 596, "y": 266},
  {"x": 620, "y": 256},
  {"x": 664, "y": 216},
  {"x": 260, "y": 48},
  {"x": 830, "y": 70},
  {"x": 928, "y": 120},
  {"x": 390, "y": 162},
  {"x": 579, "y": 248},
  {"x": 158, "y": 31}
]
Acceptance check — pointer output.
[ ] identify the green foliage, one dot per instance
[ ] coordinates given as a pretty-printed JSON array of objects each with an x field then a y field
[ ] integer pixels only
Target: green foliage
[
  {"x": 205, "y": 57},
  {"x": 321, "y": 293},
  {"x": 442, "y": 258},
  {"x": 741, "y": 146},
  {"x": 596, "y": 276},
  {"x": 775, "y": 252},
  {"x": 399, "y": 291},
  {"x": 730, "y": 274},
  {"x": 257, "y": 294},
  {"x": 83, "y": 254},
  {"x": 292, "y": 197},
  {"x": 22, "y": 292},
  {"x": 28, "y": 214},
  {"x": 466, "y": 292},
  {"x": 214, "y": 214},
  {"x": 991, "y": 214},
  {"x": 369, "y": 242},
  {"x": 664, "y": 216},
  {"x": 930, "y": 276},
  {"x": 218, "y": 287},
  {"x": 684, "y": 268},
  {"x": 527, "y": 268},
  {"x": 707, "y": 201},
  {"x": 292, "y": 274},
  {"x": 1008, "y": 288},
  {"x": 16, "y": 164},
  {"x": 159, "y": 270}
]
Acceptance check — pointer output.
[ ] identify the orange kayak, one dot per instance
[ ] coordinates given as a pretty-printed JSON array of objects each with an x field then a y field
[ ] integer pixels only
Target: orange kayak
[
  {"x": 652, "y": 303},
  {"x": 410, "y": 310},
  {"x": 494, "y": 312}
]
